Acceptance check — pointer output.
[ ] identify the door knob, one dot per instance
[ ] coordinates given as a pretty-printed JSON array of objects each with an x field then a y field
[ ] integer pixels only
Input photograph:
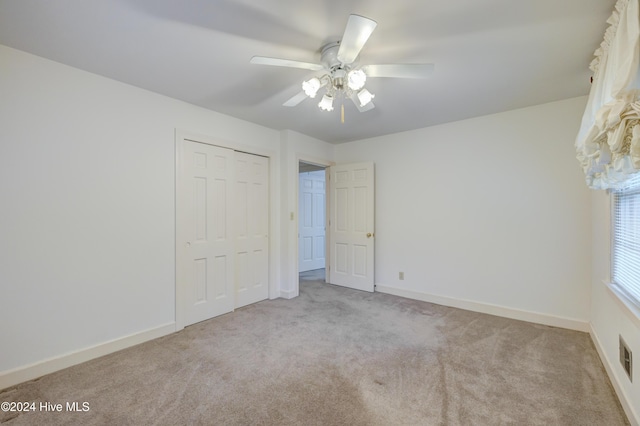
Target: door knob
[{"x": 369, "y": 235}]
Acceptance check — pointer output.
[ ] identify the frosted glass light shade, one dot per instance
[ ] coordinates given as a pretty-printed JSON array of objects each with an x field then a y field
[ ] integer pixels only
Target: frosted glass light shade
[
  {"x": 311, "y": 87},
  {"x": 356, "y": 79},
  {"x": 365, "y": 97},
  {"x": 326, "y": 103}
]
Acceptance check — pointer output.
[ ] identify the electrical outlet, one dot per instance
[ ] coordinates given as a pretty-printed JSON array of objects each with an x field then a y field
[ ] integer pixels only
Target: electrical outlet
[
  {"x": 401, "y": 275},
  {"x": 626, "y": 358}
]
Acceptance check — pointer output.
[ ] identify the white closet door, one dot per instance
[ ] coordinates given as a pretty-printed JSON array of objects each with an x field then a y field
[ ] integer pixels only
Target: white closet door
[
  {"x": 206, "y": 239},
  {"x": 251, "y": 214},
  {"x": 352, "y": 226},
  {"x": 311, "y": 220}
]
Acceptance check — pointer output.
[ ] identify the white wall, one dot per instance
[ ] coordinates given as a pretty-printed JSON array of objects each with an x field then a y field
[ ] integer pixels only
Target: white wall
[
  {"x": 490, "y": 214},
  {"x": 87, "y": 218},
  {"x": 609, "y": 316}
]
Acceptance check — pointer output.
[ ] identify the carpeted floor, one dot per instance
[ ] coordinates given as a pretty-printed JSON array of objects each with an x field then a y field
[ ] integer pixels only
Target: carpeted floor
[{"x": 335, "y": 356}]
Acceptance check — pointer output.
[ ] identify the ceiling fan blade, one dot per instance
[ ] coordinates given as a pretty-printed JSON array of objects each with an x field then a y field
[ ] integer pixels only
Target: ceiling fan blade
[
  {"x": 365, "y": 108},
  {"x": 399, "y": 70},
  {"x": 355, "y": 36},
  {"x": 296, "y": 99},
  {"x": 277, "y": 62}
]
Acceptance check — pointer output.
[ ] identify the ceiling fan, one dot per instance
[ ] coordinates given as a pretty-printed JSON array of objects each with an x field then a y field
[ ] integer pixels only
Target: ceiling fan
[{"x": 342, "y": 76}]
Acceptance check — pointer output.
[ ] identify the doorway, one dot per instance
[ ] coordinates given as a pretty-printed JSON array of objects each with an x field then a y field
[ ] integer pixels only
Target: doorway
[
  {"x": 348, "y": 222},
  {"x": 312, "y": 208}
]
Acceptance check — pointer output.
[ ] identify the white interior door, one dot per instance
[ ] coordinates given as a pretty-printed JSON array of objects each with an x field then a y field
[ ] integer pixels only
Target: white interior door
[
  {"x": 311, "y": 221},
  {"x": 206, "y": 234},
  {"x": 251, "y": 228},
  {"x": 352, "y": 226}
]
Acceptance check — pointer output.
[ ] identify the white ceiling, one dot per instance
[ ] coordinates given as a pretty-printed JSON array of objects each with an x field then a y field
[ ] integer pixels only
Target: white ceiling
[{"x": 490, "y": 55}]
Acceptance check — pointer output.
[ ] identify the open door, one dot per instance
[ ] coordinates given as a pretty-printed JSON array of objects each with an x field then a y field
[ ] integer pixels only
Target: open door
[{"x": 351, "y": 226}]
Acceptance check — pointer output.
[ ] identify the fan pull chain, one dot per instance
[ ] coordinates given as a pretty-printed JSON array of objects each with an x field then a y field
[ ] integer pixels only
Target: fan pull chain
[{"x": 342, "y": 113}]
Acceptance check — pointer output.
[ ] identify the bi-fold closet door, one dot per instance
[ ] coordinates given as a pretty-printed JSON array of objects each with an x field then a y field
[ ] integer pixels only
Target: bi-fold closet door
[
  {"x": 222, "y": 231},
  {"x": 251, "y": 231}
]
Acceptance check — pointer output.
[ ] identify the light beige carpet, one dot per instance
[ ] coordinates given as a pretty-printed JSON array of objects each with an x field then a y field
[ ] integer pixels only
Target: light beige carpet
[{"x": 335, "y": 356}]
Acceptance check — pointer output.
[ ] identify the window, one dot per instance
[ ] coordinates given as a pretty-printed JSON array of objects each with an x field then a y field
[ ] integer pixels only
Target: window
[{"x": 625, "y": 273}]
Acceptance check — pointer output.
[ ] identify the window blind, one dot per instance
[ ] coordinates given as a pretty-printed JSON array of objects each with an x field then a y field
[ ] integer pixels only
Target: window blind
[{"x": 626, "y": 239}]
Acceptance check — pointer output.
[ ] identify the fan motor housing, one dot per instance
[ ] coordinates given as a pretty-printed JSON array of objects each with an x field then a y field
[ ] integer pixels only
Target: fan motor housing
[{"x": 329, "y": 55}]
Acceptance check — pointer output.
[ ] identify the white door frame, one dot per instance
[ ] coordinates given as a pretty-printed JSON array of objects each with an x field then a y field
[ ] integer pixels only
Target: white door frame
[{"x": 274, "y": 238}]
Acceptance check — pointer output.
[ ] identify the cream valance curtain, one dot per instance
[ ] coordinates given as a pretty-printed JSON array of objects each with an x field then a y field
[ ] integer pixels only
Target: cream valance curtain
[{"x": 608, "y": 143}]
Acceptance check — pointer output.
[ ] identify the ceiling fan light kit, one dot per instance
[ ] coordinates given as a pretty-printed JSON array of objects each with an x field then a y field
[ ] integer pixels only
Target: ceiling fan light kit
[
  {"x": 356, "y": 79},
  {"x": 342, "y": 78},
  {"x": 341, "y": 81},
  {"x": 311, "y": 87},
  {"x": 364, "y": 96},
  {"x": 326, "y": 103}
]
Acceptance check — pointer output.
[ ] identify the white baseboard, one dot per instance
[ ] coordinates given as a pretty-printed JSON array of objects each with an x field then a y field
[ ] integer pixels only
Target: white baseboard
[
  {"x": 33, "y": 371},
  {"x": 288, "y": 294},
  {"x": 485, "y": 308},
  {"x": 633, "y": 417}
]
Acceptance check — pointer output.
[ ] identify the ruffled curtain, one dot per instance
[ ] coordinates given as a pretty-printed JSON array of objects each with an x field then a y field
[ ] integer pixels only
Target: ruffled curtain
[{"x": 608, "y": 143}]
